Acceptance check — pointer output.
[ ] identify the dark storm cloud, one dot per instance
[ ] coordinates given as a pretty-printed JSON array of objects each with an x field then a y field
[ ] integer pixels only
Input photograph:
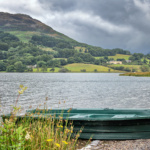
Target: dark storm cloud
[{"x": 104, "y": 23}]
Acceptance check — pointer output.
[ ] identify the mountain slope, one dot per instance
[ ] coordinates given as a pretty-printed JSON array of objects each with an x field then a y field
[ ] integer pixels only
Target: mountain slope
[{"x": 21, "y": 22}]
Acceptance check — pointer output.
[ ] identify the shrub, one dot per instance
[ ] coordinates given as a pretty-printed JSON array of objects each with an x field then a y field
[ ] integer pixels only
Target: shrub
[
  {"x": 53, "y": 69},
  {"x": 83, "y": 70},
  {"x": 144, "y": 68},
  {"x": 64, "y": 70},
  {"x": 95, "y": 70},
  {"x": 127, "y": 69}
]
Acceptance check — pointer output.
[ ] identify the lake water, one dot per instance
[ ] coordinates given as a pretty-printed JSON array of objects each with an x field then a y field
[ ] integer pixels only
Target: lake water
[{"x": 78, "y": 90}]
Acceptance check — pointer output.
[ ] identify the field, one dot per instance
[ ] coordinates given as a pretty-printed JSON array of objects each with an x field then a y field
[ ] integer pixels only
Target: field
[
  {"x": 117, "y": 56},
  {"x": 77, "y": 67},
  {"x": 59, "y": 58},
  {"x": 78, "y": 48},
  {"x": 24, "y": 36},
  {"x": 46, "y": 48}
]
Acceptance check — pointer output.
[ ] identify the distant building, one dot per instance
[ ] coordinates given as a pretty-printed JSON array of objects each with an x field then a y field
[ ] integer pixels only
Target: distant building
[
  {"x": 128, "y": 61},
  {"x": 32, "y": 66},
  {"x": 115, "y": 62}
]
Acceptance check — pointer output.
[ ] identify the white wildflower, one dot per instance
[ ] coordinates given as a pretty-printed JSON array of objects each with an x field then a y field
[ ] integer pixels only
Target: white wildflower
[{"x": 27, "y": 137}]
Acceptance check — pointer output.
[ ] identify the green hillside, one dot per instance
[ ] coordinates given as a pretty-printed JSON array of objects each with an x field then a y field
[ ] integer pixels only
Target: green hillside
[
  {"x": 79, "y": 67},
  {"x": 27, "y": 44}
]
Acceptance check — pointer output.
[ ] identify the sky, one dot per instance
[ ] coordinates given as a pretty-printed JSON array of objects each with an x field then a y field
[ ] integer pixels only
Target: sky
[{"x": 105, "y": 23}]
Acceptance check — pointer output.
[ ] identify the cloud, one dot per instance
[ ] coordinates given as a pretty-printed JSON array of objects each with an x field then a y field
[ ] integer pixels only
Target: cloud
[
  {"x": 33, "y": 7},
  {"x": 108, "y": 24}
]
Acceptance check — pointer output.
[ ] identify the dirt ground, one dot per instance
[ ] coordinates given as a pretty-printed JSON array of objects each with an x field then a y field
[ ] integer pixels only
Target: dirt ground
[{"x": 143, "y": 144}]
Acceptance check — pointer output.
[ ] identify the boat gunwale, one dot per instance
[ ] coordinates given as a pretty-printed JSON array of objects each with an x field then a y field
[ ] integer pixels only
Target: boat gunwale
[{"x": 61, "y": 111}]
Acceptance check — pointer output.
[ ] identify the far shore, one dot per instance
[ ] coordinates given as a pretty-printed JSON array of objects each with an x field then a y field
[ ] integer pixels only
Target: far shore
[{"x": 137, "y": 74}]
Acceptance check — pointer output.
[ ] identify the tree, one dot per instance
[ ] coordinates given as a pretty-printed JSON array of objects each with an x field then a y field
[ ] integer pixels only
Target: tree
[
  {"x": 80, "y": 50},
  {"x": 70, "y": 60},
  {"x": 10, "y": 68},
  {"x": 86, "y": 51},
  {"x": 29, "y": 70},
  {"x": 53, "y": 69},
  {"x": 86, "y": 57},
  {"x": 41, "y": 63},
  {"x": 127, "y": 69},
  {"x": 53, "y": 63},
  {"x": 19, "y": 67},
  {"x": 4, "y": 46},
  {"x": 2, "y": 66},
  {"x": 97, "y": 62},
  {"x": 3, "y": 55},
  {"x": 78, "y": 60},
  {"x": 102, "y": 61},
  {"x": 95, "y": 70},
  {"x": 145, "y": 61},
  {"x": 136, "y": 57},
  {"x": 44, "y": 68},
  {"x": 66, "y": 53},
  {"x": 63, "y": 62},
  {"x": 106, "y": 57},
  {"x": 145, "y": 68},
  {"x": 46, "y": 58}
]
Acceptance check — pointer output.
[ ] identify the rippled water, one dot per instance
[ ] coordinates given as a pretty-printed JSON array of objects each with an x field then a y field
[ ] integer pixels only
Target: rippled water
[{"x": 78, "y": 90}]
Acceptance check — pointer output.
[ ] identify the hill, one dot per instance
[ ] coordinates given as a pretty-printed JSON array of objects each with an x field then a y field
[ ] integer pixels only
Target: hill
[{"x": 21, "y": 22}]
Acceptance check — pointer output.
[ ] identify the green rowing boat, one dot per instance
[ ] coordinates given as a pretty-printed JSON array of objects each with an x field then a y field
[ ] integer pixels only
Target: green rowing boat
[{"x": 103, "y": 124}]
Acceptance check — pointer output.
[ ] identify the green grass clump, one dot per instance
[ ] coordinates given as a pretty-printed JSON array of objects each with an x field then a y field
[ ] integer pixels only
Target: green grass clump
[
  {"x": 31, "y": 134},
  {"x": 35, "y": 131}
]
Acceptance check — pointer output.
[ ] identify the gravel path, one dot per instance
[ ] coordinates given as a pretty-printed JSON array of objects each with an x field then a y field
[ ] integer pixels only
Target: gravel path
[{"x": 143, "y": 144}]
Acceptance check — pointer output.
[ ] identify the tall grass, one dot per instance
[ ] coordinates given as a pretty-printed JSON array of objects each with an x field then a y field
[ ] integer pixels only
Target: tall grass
[{"x": 36, "y": 131}]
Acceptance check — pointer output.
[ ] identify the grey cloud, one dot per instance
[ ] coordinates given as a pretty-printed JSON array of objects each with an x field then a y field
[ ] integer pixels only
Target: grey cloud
[{"x": 104, "y": 23}]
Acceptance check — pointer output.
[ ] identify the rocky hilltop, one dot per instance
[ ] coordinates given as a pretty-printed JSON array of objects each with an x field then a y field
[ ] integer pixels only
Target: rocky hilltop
[{"x": 22, "y": 22}]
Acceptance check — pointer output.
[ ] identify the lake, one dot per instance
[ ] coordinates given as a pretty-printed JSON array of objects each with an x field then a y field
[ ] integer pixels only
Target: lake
[{"x": 74, "y": 90}]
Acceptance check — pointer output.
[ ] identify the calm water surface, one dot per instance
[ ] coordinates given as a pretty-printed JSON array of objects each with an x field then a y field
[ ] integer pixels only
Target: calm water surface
[{"x": 78, "y": 90}]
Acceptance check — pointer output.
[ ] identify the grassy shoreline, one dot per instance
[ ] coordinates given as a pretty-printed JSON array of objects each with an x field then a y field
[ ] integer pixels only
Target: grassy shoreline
[
  {"x": 36, "y": 131},
  {"x": 137, "y": 74}
]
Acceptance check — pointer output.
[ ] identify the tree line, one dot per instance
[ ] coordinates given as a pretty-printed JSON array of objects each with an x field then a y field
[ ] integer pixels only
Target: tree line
[{"x": 15, "y": 55}]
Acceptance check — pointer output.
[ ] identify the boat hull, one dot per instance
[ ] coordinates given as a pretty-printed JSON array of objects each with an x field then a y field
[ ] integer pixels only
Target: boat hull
[
  {"x": 113, "y": 130},
  {"x": 104, "y": 124}
]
